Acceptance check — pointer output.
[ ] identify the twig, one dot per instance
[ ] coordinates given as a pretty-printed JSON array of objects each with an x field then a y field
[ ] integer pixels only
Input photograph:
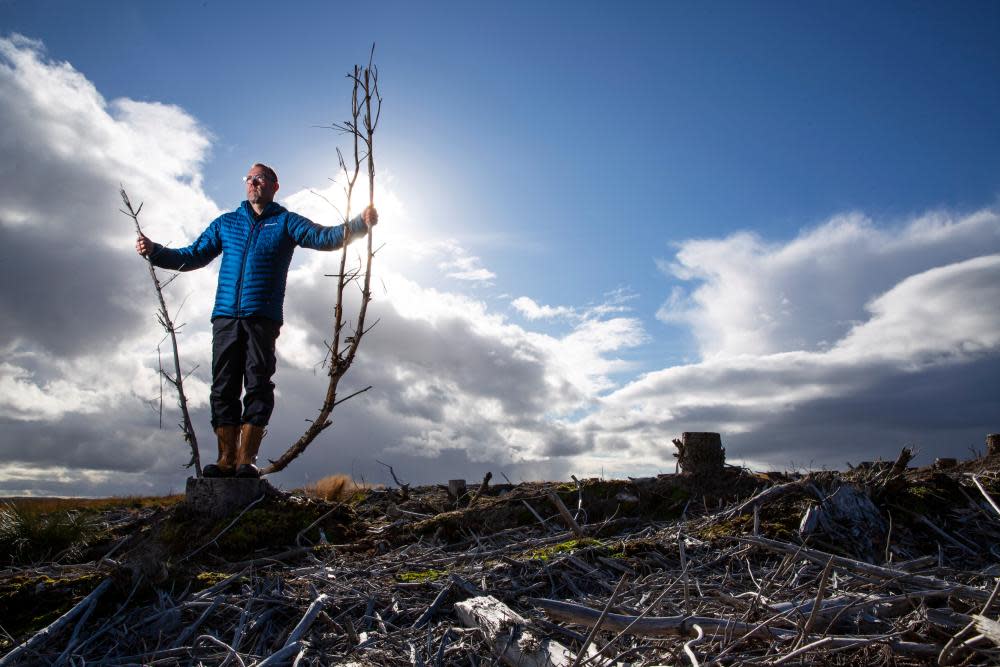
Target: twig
[
  {"x": 434, "y": 606},
  {"x": 817, "y": 603},
  {"x": 534, "y": 513},
  {"x": 598, "y": 622},
  {"x": 945, "y": 656},
  {"x": 221, "y": 644},
  {"x": 404, "y": 489},
  {"x": 697, "y": 640},
  {"x": 822, "y": 557}
]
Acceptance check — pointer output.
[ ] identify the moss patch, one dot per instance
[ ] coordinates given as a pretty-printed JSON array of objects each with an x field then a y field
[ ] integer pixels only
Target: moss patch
[
  {"x": 205, "y": 580},
  {"x": 546, "y": 553},
  {"x": 423, "y": 576},
  {"x": 28, "y": 603},
  {"x": 271, "y": 526}
]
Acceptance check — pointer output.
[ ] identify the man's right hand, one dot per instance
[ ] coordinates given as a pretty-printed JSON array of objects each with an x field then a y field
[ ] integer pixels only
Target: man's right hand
[{"x": 143, "y": 246}]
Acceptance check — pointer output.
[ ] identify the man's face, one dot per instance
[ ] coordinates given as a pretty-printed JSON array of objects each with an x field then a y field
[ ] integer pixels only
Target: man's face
[{"x": 260, "y": 188}]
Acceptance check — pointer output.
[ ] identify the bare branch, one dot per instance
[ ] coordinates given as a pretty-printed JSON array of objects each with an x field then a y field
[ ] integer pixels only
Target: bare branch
[
  {"x": 361, "y": 126},
  {"x": 163, "y": 316}
]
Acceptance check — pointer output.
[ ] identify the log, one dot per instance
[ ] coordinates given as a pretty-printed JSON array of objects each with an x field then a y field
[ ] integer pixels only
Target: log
[
  {"x": 653, "y": 626},
  {"x": 505, "y": 629},
  {"x": 672, "y": 626}
]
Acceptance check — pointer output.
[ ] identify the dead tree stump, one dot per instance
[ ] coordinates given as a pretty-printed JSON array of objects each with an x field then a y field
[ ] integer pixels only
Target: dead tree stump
[
  {"x": 456, "y": 488},
  {"x": 700, "y": 455},
  {"x": 220, "y": 497},
  {"x": 993, "y": 444}
]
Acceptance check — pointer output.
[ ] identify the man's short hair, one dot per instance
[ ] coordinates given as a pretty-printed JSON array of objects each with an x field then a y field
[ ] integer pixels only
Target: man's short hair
[{"x": 271, "y": 174}]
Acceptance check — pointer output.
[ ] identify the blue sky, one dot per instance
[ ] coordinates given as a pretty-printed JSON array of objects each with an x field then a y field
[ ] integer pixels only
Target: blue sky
[{"x": 580, "y": 150}]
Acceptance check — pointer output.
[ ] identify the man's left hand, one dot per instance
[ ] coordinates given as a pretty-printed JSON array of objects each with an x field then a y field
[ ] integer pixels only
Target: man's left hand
[{"x": 371, "y": 216}]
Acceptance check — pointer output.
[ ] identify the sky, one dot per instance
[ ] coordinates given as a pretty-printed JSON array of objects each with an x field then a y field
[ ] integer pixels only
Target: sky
[{"x": 601, "y": 226}]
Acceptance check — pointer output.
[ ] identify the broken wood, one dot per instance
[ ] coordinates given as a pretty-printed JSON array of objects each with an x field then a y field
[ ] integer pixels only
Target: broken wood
[
  {"x": 674, "y": 626},
  {"x": 567, "y": 517},
  {"x": 505, "y": 630},
  {"x": 821, "y": 557},
  {"x": 483, "y": 488}
]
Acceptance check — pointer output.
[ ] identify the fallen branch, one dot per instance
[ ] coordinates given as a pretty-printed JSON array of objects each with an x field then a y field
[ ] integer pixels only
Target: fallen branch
[
  {"x": 567, "y": 517},
  {"x": 307, "y": 619},
  {"x": 821, "y": 558},
  {"x": 47, "y": 633},
  {"x": 680, "y": 626},
  {"x": 505, "y": 631}
]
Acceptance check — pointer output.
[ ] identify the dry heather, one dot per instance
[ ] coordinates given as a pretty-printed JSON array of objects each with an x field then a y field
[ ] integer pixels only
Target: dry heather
[{"x": 336, "y": 488}]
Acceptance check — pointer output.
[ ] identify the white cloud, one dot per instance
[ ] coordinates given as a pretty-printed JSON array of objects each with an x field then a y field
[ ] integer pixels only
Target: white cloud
[
  {"x": 462, "y": 266},
  {"x": 848, "y": 329},
  {"x": 79, "y": 331},
  {"x": 756, "y": 297},
  {"x": 533, "y": 311}
]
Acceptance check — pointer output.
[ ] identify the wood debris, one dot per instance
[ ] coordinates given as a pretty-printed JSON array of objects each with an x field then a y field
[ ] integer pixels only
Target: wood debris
[{"x": 878, "y": 566}]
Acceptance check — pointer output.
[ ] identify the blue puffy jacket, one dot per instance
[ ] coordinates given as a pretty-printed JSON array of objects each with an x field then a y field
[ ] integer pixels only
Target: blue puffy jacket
[{"x": 255, "y": 256}]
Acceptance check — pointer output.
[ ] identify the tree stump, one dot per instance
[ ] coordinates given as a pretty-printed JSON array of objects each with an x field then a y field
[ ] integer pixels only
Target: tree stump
[
  {"x": 993, "y": 444},
  {"x": 456, "y": 488},
  {"x": 221, "y": 496},
  {"x": 700, "y": 454},
  {"x": 945, "y": 462}
]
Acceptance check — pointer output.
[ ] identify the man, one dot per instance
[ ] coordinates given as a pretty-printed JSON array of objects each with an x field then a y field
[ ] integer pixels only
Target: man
[{"x": 256, "y": 241}]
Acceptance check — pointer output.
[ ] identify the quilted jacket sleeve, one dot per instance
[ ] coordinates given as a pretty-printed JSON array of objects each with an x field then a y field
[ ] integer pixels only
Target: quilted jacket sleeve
[
  {"x": 318, "y": 237},
  {"x": 205, "y": 248}
]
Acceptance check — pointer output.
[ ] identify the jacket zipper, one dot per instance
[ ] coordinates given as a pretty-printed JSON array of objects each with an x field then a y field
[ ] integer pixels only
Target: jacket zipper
[{"x": 251, "y": 237}]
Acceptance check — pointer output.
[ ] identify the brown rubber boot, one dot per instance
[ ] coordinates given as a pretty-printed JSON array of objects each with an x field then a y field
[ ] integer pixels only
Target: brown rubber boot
[
  {"x": 250, "y": 438},
  {"x": 228, "y": 435}
]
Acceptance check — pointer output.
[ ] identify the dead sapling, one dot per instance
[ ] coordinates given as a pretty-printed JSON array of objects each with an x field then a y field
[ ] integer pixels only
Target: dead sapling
[
  {"x": 366, "y": 107},
  {"x": 163, "y": 316}
]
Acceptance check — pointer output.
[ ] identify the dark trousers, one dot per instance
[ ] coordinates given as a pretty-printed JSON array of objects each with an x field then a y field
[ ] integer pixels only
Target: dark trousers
[{"x": 243, "y": 356}]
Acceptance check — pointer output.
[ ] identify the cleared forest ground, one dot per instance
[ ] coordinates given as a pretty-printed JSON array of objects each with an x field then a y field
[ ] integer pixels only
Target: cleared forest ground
[{"x": 875, "y": 566}]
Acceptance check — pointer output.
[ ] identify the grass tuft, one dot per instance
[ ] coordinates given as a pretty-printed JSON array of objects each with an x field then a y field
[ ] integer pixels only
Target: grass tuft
[{"x": 30, "y": 536}]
